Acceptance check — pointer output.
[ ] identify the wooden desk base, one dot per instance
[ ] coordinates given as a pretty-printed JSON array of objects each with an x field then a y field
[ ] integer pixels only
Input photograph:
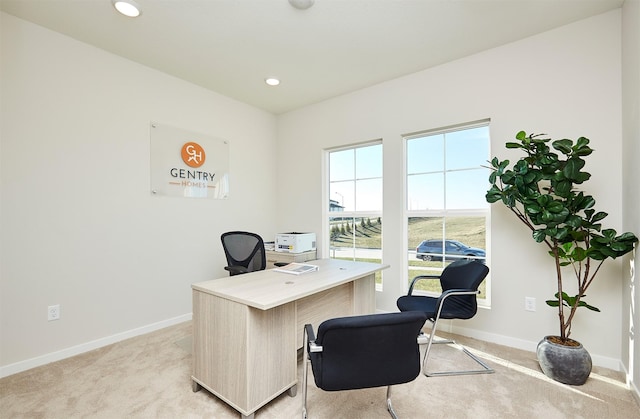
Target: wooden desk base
[{"x": 248, "y": 356}]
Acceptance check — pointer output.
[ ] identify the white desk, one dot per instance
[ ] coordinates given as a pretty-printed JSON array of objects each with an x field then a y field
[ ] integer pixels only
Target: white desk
[{"x": 247, "y": 328}]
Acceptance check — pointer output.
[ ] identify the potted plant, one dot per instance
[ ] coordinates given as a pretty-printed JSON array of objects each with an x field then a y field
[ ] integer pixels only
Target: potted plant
[{"x": 541, "y": 190}]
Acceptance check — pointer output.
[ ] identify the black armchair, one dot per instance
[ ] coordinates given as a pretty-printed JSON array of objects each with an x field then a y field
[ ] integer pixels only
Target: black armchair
[
  {"x": 459, "y": 281},
  {"x": 362, "y": 352},
  {"x": 244, "y": 252}
]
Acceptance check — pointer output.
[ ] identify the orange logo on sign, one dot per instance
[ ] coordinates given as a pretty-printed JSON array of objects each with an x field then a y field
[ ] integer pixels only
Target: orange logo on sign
[{"x": 193, "y": 154}]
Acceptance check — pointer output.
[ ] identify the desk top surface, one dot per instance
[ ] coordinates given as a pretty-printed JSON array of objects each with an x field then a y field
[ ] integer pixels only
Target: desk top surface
[{"x": 269, "y": 288}]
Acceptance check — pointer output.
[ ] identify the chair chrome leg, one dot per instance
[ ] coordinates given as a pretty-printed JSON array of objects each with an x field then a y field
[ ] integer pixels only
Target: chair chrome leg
[
  {"x": 486, "y": 369},
  {"x": 305, "y": 372},
  {"x": 304, "y": 388},
  {"x": 389, "y": 406}
]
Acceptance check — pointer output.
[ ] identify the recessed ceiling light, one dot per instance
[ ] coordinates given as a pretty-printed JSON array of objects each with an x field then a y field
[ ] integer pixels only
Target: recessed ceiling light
[
  {"x": 127, "y": 7},
  {"x": 272, "y": 81},
  {"x": 301, "y": 4}
]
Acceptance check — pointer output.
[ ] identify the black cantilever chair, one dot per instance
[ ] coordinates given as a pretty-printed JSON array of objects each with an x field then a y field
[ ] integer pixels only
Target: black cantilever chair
[
  {"x": 459, "y": 281},
  {"x": 362, "y": 352},
  {"x": 244, "y": 252}
]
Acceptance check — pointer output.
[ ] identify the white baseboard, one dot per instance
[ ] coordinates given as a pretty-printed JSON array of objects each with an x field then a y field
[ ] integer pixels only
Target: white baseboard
[
  {"x": 526, "y": 345},
  {"x": 599, "y": 360},
  {"x": 632, "y": 385},
  {"x": 89, "y": 346}
]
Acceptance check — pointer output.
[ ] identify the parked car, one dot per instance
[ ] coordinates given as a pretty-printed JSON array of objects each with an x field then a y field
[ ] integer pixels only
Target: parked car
[{"x": 430, "y": 250}]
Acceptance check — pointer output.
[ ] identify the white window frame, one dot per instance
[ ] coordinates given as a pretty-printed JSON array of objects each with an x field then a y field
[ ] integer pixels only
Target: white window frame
[
  {"x": 483, "y": 300},
  {"x": 327, "y": 214}
]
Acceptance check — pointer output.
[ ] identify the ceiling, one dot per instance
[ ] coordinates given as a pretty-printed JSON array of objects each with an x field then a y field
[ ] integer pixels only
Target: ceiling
[{"x": 332, "y": 48}]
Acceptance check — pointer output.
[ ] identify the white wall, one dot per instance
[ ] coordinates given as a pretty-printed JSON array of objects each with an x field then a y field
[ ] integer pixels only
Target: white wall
[
  {"x": 565, "y": 83},
  {"x": 631, "y": 188},
  {"x": 78, "y": 225}
]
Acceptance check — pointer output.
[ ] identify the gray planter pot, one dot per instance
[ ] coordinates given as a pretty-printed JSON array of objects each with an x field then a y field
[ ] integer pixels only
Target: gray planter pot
[{"x": 566, "y": 364}]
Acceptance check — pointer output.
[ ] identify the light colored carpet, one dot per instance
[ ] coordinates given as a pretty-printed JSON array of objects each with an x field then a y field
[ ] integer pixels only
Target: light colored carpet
[{"x": 149, "y": 377}]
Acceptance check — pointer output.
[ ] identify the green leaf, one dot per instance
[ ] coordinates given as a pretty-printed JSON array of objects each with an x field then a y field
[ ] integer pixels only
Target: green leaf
[
  {"x": 590, "y": 307},
  {"x": 530, "y": 177},
  {"x": 538, "y": 235},
  {"x": 563, "y": 146},
  {"x": 579, "y": 254},
  {"x": 521, "y": 135},
  {"x": 600, "y": 215},
  {"x": 572, "y": 169},
  {"x": 547, "y": 216},
  {"x": 582, "y": 177},
  {"x": 574, "y": 221},
  {"x": 555, "y": 207},
  {"x": 581, "y": 148},
  {"x": 618, "y": 247},
  {"x": 533, "y": 209},
  {"x": 508, "y": 177},
  {"x": 492, "y": 177},
  {"x": 589, "y": 202},
  {"x": 563, "y": 188},
  {"x": 582, "y": 142},
  {"x": 509, "y": 200},
  {"x": 628, "y": 237}
]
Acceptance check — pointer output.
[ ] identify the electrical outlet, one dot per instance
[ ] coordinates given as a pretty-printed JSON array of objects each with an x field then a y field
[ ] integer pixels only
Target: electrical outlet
[
  {"x": 530, "y": 303},
  {"x": 53, "y": 312}
]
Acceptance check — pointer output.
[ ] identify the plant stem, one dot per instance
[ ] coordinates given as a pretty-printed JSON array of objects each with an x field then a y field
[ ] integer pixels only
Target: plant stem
[{"x": 563, "y": 326}]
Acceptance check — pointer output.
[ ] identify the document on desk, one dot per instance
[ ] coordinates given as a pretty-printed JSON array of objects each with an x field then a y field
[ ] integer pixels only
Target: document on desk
[{"x": 297, "y": 268}]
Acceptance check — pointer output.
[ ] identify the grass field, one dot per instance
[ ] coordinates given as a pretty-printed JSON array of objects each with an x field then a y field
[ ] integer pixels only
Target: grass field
[{"x": 468, "y": 230}]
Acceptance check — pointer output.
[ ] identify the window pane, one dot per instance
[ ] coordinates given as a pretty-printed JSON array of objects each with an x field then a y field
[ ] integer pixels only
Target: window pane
[
  {"x": 425, "y": 154},
  {"x": 369, "y": 195},
  {"x": 467, "y": 148},
  {"x": 341, "y": 165},
  {"x": 429, "y": 229},
  {"x": 369, "y": 162},
  {"x": 435, "y": 242},
  {"x": 356, "y": 238},
  {"x": 425, "y": 191},
  {"x": 343, "y": 193},
  {"x": 471, "y": 231},
  {"x": 466, "y": 189}
]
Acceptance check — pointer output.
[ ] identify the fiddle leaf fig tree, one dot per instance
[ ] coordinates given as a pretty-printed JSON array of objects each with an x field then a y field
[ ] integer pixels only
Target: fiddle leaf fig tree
[{"x": 542, "y": 189}]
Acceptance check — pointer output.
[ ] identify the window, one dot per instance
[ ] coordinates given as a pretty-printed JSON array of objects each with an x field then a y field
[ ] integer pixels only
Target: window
[
  {"x": 355, "y": 204},
  {"x": 446, "y": 209}
]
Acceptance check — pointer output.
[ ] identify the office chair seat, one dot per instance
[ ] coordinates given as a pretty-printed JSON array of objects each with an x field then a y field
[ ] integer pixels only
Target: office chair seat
[{"x": 451, "y": 309}]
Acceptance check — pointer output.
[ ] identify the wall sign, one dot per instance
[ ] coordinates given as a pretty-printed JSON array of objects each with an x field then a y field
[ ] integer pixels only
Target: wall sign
[{"x": 187, "y": 164}]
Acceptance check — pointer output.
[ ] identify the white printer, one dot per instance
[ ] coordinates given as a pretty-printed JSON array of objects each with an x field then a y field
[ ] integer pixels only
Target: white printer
[{"x": 294, "y": 242}]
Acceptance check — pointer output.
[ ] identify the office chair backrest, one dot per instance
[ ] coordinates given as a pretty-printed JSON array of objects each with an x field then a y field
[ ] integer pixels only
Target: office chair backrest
[
  {"x": 462, "y": 274},
  {"x": 244, "y": 249},
  {"x": 367, "y": 351}
]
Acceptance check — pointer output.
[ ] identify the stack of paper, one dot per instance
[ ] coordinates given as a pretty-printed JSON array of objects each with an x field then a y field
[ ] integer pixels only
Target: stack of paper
[{"x": 297, "y": 268}]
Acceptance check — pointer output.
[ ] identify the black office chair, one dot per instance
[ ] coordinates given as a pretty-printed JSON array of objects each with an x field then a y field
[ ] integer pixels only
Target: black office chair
[
  {"x": 244, "y": 252},
  {"x": 459, "y": 281},
  {"x": 362, "y": 352}
]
